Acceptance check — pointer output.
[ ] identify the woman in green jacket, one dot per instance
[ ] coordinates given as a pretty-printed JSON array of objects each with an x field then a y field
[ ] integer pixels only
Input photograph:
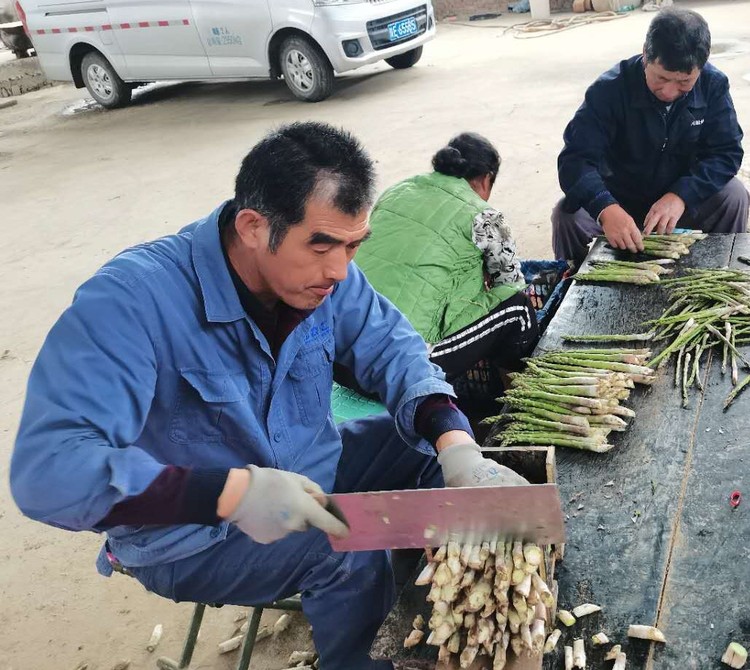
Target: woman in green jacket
[{"x": 448, "y": 261}]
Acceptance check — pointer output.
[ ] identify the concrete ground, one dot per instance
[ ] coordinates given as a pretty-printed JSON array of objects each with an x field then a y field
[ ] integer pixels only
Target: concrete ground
[{"x": 78, "y": 184}]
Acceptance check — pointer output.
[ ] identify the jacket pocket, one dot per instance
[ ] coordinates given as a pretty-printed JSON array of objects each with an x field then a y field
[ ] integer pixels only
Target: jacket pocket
[
  {"x": 203, "y": 398},
  {"x": 311, "y": 375}
]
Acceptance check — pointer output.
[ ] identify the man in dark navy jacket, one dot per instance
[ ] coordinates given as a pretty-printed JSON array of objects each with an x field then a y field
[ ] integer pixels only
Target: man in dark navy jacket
[{"x": 656, "y": 145}]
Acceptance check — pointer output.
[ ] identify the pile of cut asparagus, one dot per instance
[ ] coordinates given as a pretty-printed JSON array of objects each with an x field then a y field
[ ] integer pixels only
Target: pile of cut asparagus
[
  {"x": 710, "y": 308},
  {"x": 627, "y": 272},
  {"x": 486, "y": 599},
  {"x": 572, "y": 398},
  {"x": 671, "y": 246}
]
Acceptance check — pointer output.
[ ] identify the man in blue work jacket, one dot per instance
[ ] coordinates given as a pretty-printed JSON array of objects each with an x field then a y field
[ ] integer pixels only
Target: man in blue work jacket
[
  {"x": 655, "y": 145},
  {"x": 182, "y": 402}
]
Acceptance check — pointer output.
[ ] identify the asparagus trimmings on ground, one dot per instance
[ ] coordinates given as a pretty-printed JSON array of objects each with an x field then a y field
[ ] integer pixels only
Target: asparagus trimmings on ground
[
  {"x": 585, "y": 610},
  {"x": 551, "y": 643},
  {"x": 568, "y": 658},
  {"x": 566, "y": 618},
  {"x": 599, "y": 638},
  {"x": 579, "y": 654},
  {"x": 571, "y": 398},
  {"x": 646, "y": 633},
  {"x": 611, "y": 655},
  {"x": 735, "y": 656},
  {"x": 620, "y": 662},
  {"x": 486, "y": 598}
]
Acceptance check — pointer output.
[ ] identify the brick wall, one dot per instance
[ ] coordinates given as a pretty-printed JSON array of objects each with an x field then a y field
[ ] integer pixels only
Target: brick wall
[{"x": 466, "y": 8}]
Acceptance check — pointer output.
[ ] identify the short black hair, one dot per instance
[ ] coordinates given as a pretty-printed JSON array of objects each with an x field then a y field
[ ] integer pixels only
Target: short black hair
[
  {"x": 286, "y": 167},
  {"x": 467, "y": 155},
  {"x": 679, "y": 39}
]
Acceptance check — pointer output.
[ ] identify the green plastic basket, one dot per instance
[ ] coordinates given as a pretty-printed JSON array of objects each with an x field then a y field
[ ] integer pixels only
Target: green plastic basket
[{"x": 347, "y": 404}]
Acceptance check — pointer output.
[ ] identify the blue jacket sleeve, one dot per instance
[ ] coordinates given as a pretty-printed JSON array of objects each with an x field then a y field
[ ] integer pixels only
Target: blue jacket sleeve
[
  {"x": 87, "y": 400},
  {"x": 720, "y": 153},
  {"x": 378, "y": 344},
  {"x": 587, "y": 138}
]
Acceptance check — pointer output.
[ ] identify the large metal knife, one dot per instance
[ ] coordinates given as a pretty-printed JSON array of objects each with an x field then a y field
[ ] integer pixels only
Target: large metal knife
[{"x": 415, "y": 518}]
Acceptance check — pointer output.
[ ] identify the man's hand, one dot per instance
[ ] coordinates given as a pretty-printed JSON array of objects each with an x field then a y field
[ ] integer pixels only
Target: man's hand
[
  {"x": 620, "y": 229},
  {"x": 276, "y": 503},
  {"x": 664, "y": 214},
  {"x": 464, "y": 465}
]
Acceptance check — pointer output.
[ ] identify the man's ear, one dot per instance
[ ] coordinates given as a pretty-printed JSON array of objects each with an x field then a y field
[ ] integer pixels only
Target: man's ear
[{"x": 252, "y": 229}]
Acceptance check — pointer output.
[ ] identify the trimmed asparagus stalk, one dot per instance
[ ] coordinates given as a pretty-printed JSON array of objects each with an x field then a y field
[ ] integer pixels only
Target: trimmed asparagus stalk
[
  {"x": 425, "y": 577},
  {"x": 413, "y": 639},
  {"x": 646, "y": 633},
  {"x": 566, "y": 618},
  {"x": 537, "y": 636},
  {"x": 611, "y": 655},
  {"x": 468, "y": 655},
  {"x": 524, "y": 588},
  {"x": 155, "y": 638},
  {"x": 532, "y": 555},
  {"x": 735, "y": 656},
  {"x": 540, "y": 586},
  {"x": 551, "y": 643},
  {"x": 579, "y": 654},
  {"x": 599, "y": 639},
  {"x": 735, "y": 392},
  {"x": 585, "y": 610},
  {"x": 568, "y": 658}
]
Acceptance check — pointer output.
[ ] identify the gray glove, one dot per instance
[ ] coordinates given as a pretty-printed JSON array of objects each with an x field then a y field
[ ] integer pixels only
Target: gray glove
[
  {"x": 277, "y": 503},
  {"x": 464, "y": 465}
]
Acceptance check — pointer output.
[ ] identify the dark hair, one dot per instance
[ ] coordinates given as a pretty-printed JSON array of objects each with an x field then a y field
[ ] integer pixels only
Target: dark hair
[
  {"x": 287, "y": 166},
  {"x": 467, "y": 155},
  {"x": 679, "y": 39}
]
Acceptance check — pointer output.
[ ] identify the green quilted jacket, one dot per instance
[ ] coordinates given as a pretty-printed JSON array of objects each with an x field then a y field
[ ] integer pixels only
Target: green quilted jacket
[{"x": 422, "y": 258}]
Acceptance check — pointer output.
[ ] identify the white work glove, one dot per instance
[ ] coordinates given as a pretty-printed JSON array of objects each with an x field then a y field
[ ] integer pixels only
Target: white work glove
[
  {"x": 277, "y": 503},
  {"x": 464, "y": 465}
]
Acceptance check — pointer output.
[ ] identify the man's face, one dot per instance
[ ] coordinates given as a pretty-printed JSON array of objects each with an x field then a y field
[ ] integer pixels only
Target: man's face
[
  {"x": 312, "y": 258},
  {"x": 666, "y": 85}
]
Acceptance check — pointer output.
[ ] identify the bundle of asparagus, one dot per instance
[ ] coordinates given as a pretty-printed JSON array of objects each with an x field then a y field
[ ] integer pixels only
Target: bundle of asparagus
[
  {"x": 486, "y": 598},
  {"x": 626, "y": 272},
  {"x": 670, "y": 246},
  {"x": 572, "y": 398},
  {"x": 710, "y": 308}
]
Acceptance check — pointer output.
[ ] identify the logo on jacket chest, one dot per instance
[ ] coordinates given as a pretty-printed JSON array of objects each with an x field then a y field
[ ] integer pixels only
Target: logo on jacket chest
[
  {"x": 320, "y": 331},
  {"x": 697, "y": 122}
]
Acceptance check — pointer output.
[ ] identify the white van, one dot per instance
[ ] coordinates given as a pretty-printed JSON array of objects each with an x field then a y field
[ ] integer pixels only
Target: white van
[{"x": 111, "y": 46}]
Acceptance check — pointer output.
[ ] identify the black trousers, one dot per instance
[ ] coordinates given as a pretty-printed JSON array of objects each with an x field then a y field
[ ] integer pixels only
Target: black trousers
[
  {"x": 504, "y": 336},
  {"x": 501, "y": 338}
]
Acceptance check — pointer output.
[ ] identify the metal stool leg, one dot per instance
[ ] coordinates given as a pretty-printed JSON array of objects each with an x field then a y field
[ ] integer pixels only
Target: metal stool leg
[
  {"x": 192, "y": 637},
  {"x": 249, "y": 645}
]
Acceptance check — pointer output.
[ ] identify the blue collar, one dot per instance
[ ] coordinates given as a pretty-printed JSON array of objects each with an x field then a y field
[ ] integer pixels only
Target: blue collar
[{"x": 220, "y": 297}]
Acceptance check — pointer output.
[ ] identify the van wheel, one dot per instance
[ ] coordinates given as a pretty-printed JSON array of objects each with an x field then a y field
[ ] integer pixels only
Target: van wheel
[
  {"x": 405, "y": 60},
  {"x": 306, "y": 70},
  {"x": 103, "y": 82}
]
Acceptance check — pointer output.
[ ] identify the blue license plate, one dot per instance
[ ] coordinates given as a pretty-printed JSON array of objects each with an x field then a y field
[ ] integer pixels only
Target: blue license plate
[{"x": 403, "y": 28}]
